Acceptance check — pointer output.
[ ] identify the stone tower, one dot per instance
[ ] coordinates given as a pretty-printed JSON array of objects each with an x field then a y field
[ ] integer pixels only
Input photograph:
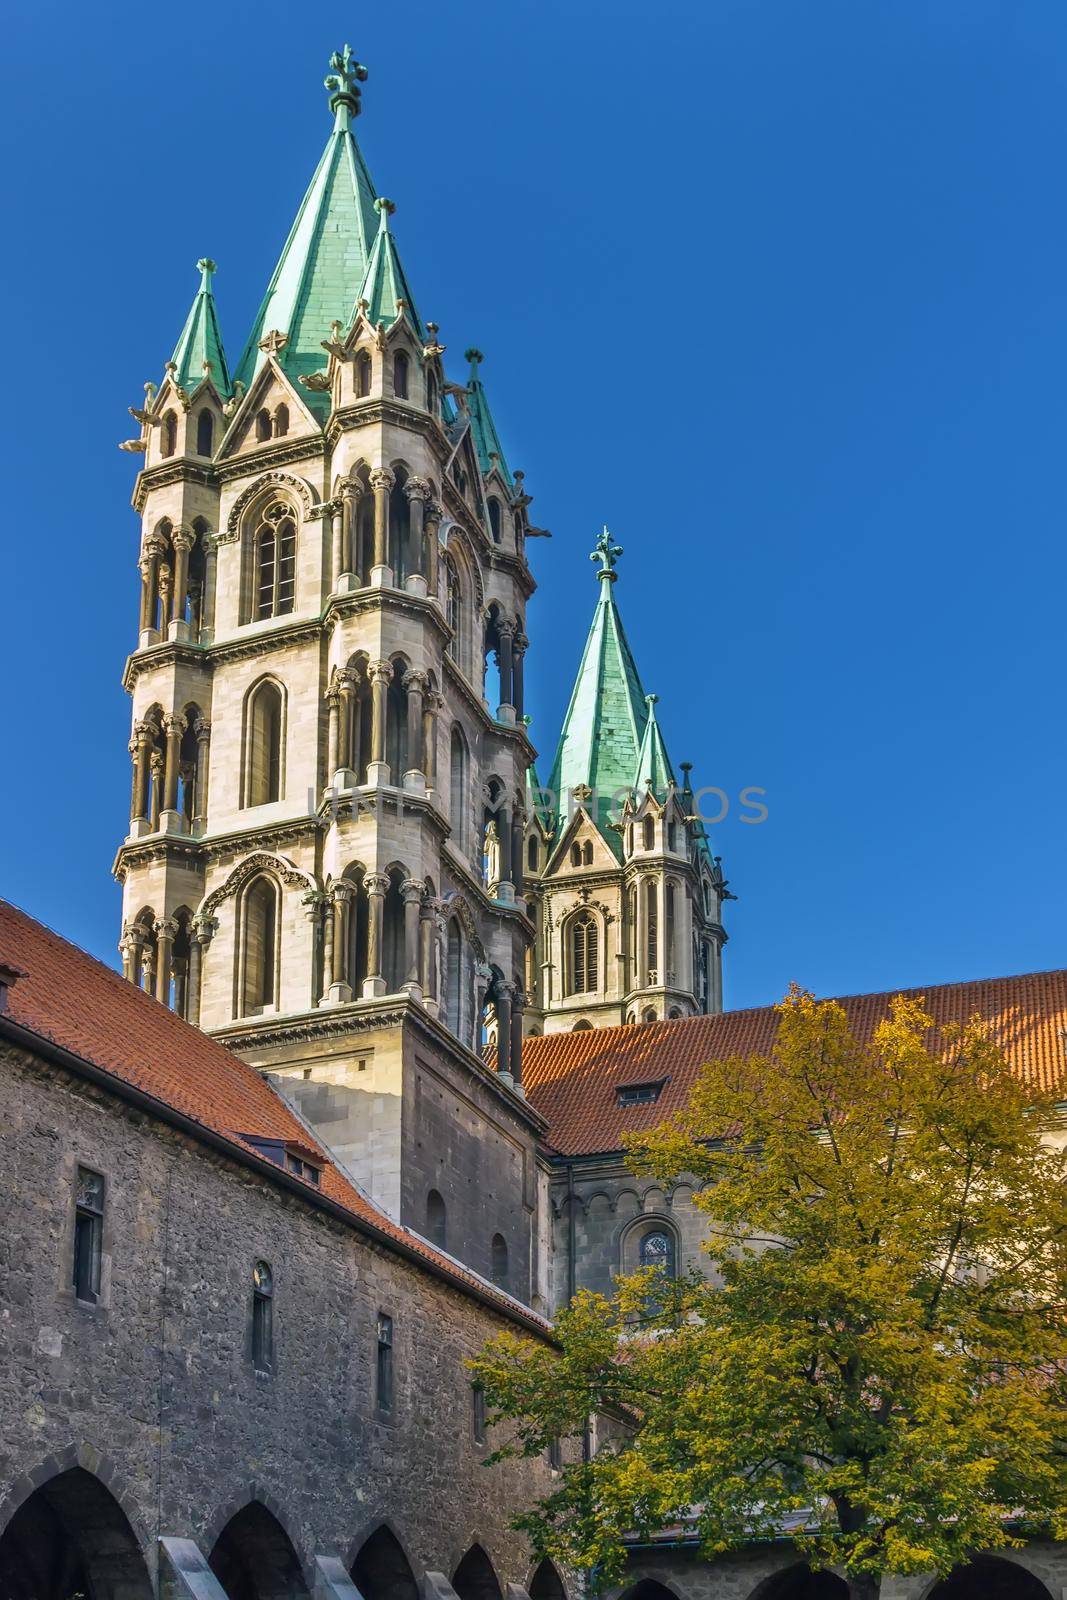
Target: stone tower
[
  {"x": 323, "y": 864},
  {"x": 626, "y": 894}
]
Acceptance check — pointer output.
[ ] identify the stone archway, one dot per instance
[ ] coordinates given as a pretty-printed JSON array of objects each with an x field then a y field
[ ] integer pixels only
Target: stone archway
[
  {"x": 253, "y": 1558},
  {"x": 799, "y": 1582},
  {"x": 381, "y": 1570},
  {"x": 71, "y": 1538},
  {"x": 990, "y": 1578},
  {"x": 546, "y": 1583},
  {"x": 474, "y": 1578}
]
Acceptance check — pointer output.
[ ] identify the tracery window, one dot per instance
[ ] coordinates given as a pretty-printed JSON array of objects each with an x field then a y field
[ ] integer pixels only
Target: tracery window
[
  {"x": 583, "y": 942},
  {"x": 275, "y": 563},
  {"x": 657, "y": 1250}
]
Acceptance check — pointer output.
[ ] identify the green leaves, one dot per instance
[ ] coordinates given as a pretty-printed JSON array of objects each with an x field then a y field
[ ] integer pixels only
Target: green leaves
[{"x": 882, "y": 1345}]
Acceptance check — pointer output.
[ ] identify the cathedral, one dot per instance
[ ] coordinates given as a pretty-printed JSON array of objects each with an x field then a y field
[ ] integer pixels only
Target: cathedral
[{"x": 389, "y": 1003}]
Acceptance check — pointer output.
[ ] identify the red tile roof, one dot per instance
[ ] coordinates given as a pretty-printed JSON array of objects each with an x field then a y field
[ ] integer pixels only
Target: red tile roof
[
  {"x": 65, "y": 996},
  {"x": 573, "y": 1079}
]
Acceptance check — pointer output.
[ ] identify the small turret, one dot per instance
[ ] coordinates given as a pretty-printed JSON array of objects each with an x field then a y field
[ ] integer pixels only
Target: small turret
[{"x": 199, "y": 353}]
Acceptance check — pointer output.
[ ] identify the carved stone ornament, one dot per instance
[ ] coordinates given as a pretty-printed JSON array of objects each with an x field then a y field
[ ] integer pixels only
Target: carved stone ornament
[
  {"x": 261, "y": 486},
  {"x": 261, "y": 861}
]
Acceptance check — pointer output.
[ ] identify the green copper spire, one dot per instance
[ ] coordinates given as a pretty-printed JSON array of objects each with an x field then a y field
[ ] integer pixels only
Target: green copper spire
[
  {"x": 654, "y": 770},
  {"x": 199, "y": 353},
  {"x": 385, "y": 286},
  {"x": 326, "y": 255},
  {"x": 483, "y": 428},
  {"x": 603, "y": 730}
]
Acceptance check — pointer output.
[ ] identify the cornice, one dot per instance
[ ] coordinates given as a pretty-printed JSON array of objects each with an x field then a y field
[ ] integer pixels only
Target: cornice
[
  {"x": 179, "y": 470},
  {"x": 134, "y": 853},
  {"x": 167, "y": 653},
  {"x": 268, "y": 456},
  {"x": 356, "y": 601},
  {"x": 377, "y": 411},
  {"x": 210, "y": 849}
]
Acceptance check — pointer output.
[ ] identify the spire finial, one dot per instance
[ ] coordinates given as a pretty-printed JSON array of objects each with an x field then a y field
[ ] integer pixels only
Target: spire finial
[
  {"x": 343, "y": 79},
  {"x": 651, "y": 701},
  {"x": 607, "y": 554},
  {"x": 206, "y": 268},
  {"x": 385, "y": 209}
]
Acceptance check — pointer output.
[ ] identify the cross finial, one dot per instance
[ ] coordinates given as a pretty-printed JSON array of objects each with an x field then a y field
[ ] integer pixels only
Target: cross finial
[
  {"x": 343, "y": 80},
  {"x": 607, "y": 554}
]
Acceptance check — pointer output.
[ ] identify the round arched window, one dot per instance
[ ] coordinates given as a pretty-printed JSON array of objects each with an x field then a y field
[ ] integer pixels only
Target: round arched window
[{"x": 657, "y": 1250}]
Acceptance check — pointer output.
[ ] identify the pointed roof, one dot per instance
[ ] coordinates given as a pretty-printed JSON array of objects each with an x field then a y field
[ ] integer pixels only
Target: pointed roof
[
  {"x": 386, "y": 284},
  {"x": 483, "y": 428},
  {"x": 604, "y": 727},
  {"x": 199, "y": 353},
  {"x": 328, "y": 250},
  {"x": 654, "y": 770}
]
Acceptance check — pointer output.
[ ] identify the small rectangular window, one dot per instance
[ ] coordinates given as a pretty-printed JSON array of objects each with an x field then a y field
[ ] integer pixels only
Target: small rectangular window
[
  {"x": 639, "y": 1094},
  {"x": 478, "y": 1413},
  {"x": 88, "y": 1234},
  {"x": 385, "y": 1363}
]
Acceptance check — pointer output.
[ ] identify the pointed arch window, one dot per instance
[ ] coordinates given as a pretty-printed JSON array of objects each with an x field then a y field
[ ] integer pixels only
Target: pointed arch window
[
  {"x": 263, "y": 745},
  {"x": 587, "y": 853},
  {"x": 669, "y": 920},
  {"x": 259, "y": 947},
  {"x": 499, "y": 1270},
  {"x": 648, "y": 832},
  {"x": 263, "y": 424},
  {"x": 576, "y": 854},
  {"x": 363, "y": 375},
  {"x": 205, "y": 433},
  {"x": 457, "y": 788},
  {"x": 400, "y": 375},
  {"x": 652, "y": 929},
  {"x": 436, "y": 1219},
  {"x": 583, "y": 952},
  {"x": 453, "y": 607},
  {"x": 168, "y": 442},
  {"x": 281, "y": 421},
  {"x": 275, "y": 562},
  {"x": 494, "y": 518}
]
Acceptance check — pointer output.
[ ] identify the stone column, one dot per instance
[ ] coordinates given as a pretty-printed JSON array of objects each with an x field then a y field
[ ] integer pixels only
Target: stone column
[
  {"x": 517, "y": 830},
  {"x": 346, "y": 578},
  {"x": 171, "y": 819},
  {"x": 140, "y": 748},
  {"x": 431, "y": 705},
  {"x": 183, "y": 542},
  {"x": 163, "y": 583},
  {"x": 381, "y": 481},
  {"x": 207, "y": 614},
  {"x": 412, "y": 891},
  {"x": 503, "y": 823},
  {"x": 336, "y": 513},
  {"x": 432, "y": 514},
  {"x": 505, "y": 634},
  {"x": 381, "y": 675},
  {"x": 346, "y": 690},
  {"x": 517, "y": 1007},
  {"x": 427, "y": 954},
  {"x": 482, "y": 979},
  {"x": 165, "y": 933},
  {"x": 415, "y": 685},
  {"x": 148, "y": 966},
  {"x": 327, "y": 952},
  {"x": 342, "y": 894},
  {"x": 518, "y": 687},
  {"x": 376, "y": 884},
  {"x": 155, "y": 762},
  {"x": 204, "y": 930},
  {"x": 502, "y": 1004},
  {"x": 333, "y": 739},
  {"x": 202, "y": 729},
  {"x": 130, "y": 946},
  {"x": 149, "y": 564},
  {"x": 417, "y": 493}
]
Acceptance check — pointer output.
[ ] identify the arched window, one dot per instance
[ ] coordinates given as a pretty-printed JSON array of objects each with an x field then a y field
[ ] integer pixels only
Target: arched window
[
  {"x": 587, "y": 853},
  {"x": 400, "y": 375},
  {"x": 532, "y": 854},
  {"x": 454, "y": 985},
  {"x": 584, "y": 1026},
  {"x": 652, "y": 926},
  {"x": 457, "y": 788},
  {"x": 259, "y": 946},
  {"x": 649, "y": 1015},
  {"x": 648, "y": 831},
  {"x": 168, "y": 441},
  {"x": 262, "y": 1317},
  {"x": 582, "y": 943},
  {"x": 494, "y": 518},
  {"x": 263, "y": 746},
  {"x": 281, "y": 421},
  {"x": 657, "y": 1250},
  {"x": 431, "y": 394},
  {"x": 275, "y": 562},
  {"x": 498, "y": 1261},
  {"x": 672, "y": 835},
  {"x": 205, "y": 433},
  {"x": 363, "y": 375},
  {"x": 576, "y": 854},
  {"x": 629, "y": 838},
  {"x": 668, "y": 946},
  {"x": 436, "y": 1219},
  {"x": 263, "y": 424},
  {"x": 453, "y": 608}
]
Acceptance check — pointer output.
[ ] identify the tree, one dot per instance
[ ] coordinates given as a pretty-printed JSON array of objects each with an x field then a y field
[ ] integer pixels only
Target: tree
[{"x": 881, "y": 1342}]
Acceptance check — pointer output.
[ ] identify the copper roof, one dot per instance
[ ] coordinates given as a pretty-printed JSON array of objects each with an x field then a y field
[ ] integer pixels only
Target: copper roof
[
  {"x": 574, "y": 1079},
  {"x": 64, "y": 996}
]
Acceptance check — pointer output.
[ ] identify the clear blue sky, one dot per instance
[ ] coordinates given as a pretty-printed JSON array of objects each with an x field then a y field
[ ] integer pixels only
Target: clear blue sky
[{"x": 777, "y": 290}]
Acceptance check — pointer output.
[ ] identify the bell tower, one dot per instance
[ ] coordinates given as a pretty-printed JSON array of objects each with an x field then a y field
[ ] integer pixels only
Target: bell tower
[
  {"x": 626, "y": 892},
  {"x": 327, "y": 716}
]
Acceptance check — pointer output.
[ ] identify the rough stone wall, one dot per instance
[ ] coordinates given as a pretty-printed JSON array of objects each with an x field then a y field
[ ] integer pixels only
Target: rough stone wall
[{"x": 158, "y": 1376}]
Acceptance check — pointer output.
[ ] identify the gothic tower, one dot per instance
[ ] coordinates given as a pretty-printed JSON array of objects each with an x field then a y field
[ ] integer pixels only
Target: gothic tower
[
  {"x": 626, "y": 894},
  {"x": 324, "y": 858}
]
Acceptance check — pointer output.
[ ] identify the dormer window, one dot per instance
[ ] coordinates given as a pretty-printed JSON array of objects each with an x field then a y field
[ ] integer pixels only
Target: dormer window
[
  {"x": 640, "y": 1094},
  {"x": 298, "y": 1159}
]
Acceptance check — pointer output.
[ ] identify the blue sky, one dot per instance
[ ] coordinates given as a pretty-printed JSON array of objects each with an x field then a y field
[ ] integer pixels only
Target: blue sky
[{"x": 778, "y": 291}]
